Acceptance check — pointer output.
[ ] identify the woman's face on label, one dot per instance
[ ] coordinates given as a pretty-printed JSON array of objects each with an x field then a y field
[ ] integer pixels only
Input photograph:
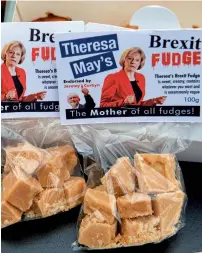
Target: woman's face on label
[
  {"x": 13, "y": 56},
  {"x": 132, "y": 62}
]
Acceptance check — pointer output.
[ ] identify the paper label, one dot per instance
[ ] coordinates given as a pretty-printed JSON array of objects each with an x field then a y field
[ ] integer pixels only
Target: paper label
[
  {"x": 29, "y": 86},
  {"x": 119, "y": 76}
]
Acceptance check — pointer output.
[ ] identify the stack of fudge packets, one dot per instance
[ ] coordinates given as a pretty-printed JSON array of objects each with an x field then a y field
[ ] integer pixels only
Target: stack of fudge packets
[{"x": 137, "y": 201}]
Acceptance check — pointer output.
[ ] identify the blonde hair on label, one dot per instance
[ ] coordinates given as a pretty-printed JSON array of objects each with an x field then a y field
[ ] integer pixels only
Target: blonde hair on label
[
  {"x": 133, "y": 50},
  {"x": 13, "y": 44}
]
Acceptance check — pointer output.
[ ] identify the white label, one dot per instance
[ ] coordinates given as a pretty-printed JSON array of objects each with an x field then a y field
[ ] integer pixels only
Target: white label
[
  {"x": 29, "y": 86},
  {"x": 121, "y": 76}
]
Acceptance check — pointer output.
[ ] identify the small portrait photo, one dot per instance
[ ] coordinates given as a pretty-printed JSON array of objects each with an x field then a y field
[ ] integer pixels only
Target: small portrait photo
[{"x": 73, "y": 100}]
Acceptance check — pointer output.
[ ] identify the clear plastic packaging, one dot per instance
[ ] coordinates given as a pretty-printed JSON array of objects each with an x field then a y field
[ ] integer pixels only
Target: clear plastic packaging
[
  {"x": 135, "y": 192},
  {"x": 41, "y": 174}
]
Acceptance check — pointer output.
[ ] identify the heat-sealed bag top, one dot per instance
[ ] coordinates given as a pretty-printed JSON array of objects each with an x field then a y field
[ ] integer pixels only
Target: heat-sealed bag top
[
  {"x": 40, "y": 170},
  {"x": 139, "y": 195}
]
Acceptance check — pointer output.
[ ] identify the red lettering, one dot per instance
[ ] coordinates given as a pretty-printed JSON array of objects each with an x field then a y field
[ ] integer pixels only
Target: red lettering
[
  {"x": 155, "y": 59},
  {"x": 53, "y": 54},
  {"x": 35, "y": 53},
  {"x": 166, "y": 59},
  {"x": 196, "y": 58},
  {"x": 176, "y": 59},
  {"x": 186, "y": 58},
  {"x": 45, "y": 53}
]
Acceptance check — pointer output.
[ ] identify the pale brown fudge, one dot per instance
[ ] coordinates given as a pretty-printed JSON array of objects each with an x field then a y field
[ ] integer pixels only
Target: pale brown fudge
[
  {"x": 100, "y": 188},
  {"x": 96, "y": 234},
  {"x": 9, "y": 213},
  {"x": 168, "y": 207},
  {"x": 133, "y": 205},
  {"x": 49, "y": 201},
  {"x": 59, "y": 164},
  {"x": 140, "y": 230},
  {"x": 25, "y": 157},
  {"x": 33, "y": 212},
  {"x": 74, "y": 190},
  {"x": 67, "y": 154},
  {"x": 120, "y": 179},
  {"x": 156, "y": 172},
  {"x": 20, "y": 190},
  {"x": 102, "y": 202}
]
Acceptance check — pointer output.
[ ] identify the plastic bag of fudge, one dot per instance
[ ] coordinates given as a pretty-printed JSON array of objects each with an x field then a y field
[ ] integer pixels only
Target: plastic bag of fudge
[
  {"x": 135, "y": 193},
  {"x": 83, "y": 141},
  {"x": 41, "y": 174}
]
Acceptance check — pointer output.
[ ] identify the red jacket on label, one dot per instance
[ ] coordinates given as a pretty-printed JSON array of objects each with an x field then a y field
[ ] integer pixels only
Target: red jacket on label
[
  {"x": 117, "y": 87},
  {"x": 7, "y": 83}
]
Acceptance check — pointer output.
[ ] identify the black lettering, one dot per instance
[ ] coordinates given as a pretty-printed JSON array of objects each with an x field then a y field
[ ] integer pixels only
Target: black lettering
[
  {"x": 155, "y": 41},
  {"x": 44, "y": 36},
  {"x": 191, "y": 43},
  {"x": 174, "y": 43},
  {"x": 184, "y": 44},
  {"x": 52, "y": 38},
  {"x": 198, "y": 41},
  {"x": 165, "y": 43},
  {"x": 34, "y": 35}
]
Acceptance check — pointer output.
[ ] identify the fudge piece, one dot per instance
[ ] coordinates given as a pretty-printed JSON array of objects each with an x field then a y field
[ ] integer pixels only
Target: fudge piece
[
  {"x": 66, "y": 175},
  {"x": 67, "y": 155},
  {"x": 74, "y": 190},
  {"x": 120, "y": 179},
  {"x": 156, "y": 172},
  {"x": 58, "y": 166},
  {"x": 102, "y": 202},
  {"x": 25, "y": 157},
  {"x": 33, "y": 212},
  {"x": 9, "y": 213},
  {"x": 168, "y": 207},
  {"x": 96, "y": 234},
  {"x": 49, "y": 202},
  {"x": 50, "y": 176},
  {"x": 133, "y": 205},
  {"x": 140, "y": 230},
  {"x": 100, "y": 188},
  {"x": 20, "y": 190}
]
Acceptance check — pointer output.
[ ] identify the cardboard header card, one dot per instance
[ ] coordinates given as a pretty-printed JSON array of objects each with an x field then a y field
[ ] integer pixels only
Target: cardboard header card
[
  {"x": 124, "y": 76},
  {"x": 29, "y": 86}
]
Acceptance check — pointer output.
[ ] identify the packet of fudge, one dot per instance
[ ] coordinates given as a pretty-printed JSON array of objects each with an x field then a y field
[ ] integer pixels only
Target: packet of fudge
[
  {"x": 83, "y": 141},
  {"x": 140, "y": 197},
  {"x": 41, "y": 173}
]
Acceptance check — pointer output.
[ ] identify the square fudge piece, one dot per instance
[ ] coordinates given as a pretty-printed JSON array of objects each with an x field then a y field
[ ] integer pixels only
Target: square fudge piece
[
  {"x": 102, "y": 202},
  {"x": 9, "y": 213},
  {"x": 156, "y": 172},
  {"x": 134, "y": 205},
  {"x": 58, "y": 164},
  {"x": 24, "y": 156},
  {"x": 168, "y": 207},
  {"x": 49, "y": 202},
  {"x": 20, "y": 190},
  {"x": 67, "y": 154},
  {"x": 140, "y": 230},
  {"x": 120, "y": 179},
  {"x": 96, "y": 234},
  {"x": 74, "y": 190}
]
